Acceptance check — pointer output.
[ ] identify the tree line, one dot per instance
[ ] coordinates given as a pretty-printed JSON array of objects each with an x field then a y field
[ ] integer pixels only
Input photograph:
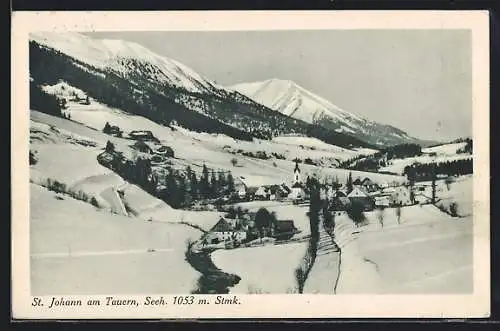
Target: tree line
[
  {"x": 449, "y": 168},
  {"x": 375, "y": 161},
  {"x": 179, "y": 189},
  {"x": 45, "y": 102}
]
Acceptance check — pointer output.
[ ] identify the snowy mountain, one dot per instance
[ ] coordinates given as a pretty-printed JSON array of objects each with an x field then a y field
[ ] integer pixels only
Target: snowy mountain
[
  {"x": 130, "y": 77},
  {"x": 120, "y": 56},
  {"x": 293, "y": 100}
]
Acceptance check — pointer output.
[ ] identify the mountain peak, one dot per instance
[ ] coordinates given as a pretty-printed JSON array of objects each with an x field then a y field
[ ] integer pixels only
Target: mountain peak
[
  {"x": 114, "y": 54},
  {"x": 291, "y": 99}
]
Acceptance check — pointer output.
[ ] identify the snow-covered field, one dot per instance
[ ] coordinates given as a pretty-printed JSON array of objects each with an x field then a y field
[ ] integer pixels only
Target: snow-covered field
[
  {"x": 265, "y": 269},
  {"x": 78, "y": 249},
  {"x": 460, "y": 192},
  {"x": 446, "y": 149},
  {"x": 441, "y": 153},
  {"x": 422, "y": 255},
  {"x": 397, "y": 165}
]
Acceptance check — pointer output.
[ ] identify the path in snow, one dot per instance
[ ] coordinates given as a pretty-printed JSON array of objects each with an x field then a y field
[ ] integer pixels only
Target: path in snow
[{"x": 324, "y": 273}]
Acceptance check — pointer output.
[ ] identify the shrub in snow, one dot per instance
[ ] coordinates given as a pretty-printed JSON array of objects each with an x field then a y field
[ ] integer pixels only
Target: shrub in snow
[
  {"x": 454, "y": 209},
  {"x": 94, "y": 202},
  {"x": 56, "y": 186},
  {"x": 380, "y": 216},
  {"x": 33, "y": 159},
  {"x": 300, "y": 278}
]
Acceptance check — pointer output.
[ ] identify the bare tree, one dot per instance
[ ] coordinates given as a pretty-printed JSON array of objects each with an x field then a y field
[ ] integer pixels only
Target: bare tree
[
  {"x": 398, "y": 213},
  {"x": 380, "y": 216}
]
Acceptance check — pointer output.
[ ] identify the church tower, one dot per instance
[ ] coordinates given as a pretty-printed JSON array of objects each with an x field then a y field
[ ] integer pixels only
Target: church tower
[{"x": 296, "y": 174}]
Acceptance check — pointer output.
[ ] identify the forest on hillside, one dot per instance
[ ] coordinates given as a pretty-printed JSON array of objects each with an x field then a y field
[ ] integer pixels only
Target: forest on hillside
[{"x": 219, "y": 112}]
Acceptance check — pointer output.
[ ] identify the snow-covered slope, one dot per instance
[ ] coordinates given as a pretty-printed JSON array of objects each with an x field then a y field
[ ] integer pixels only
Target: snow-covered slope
[
  {"x": 293, "y": 100},
  {"x": 290, "y": 99},
  {"x": 113, "y": 54},
  {"x": 446, "y": 149}
]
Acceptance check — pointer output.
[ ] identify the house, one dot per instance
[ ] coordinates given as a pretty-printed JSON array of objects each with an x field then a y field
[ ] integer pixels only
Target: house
[
  {"x": 250, "y": 192},
  {"x": 241, "y": 191},
  {"x": 277, "y": 192},
  {"x": 284, "y": 229},
  {"x": 142, "y": 147},
  {"x": 115, "y": 130},
  {"x": 382, "y": 200},
  {"x": 358, "y": 194},
  {"x": 339, "y": 193},
  {"x": 224, "y": 231},
  {"x": 369, "y": 185},
  {"x": 262, "y": 193},
  {"x": 283, "y": 191},
  {"x": 399, "y": 195},
  {"x": 165, "y": 151},
  {"x": 142, "y": 135}
]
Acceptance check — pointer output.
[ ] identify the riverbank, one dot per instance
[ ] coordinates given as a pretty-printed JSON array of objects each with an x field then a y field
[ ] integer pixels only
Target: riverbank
[{"x": 212, "y": 279}]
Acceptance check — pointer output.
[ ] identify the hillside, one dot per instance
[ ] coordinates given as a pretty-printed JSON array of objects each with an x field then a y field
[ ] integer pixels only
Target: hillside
[
  {"x": 129, "y": 77},
  {"x": 289, "y": 98}
]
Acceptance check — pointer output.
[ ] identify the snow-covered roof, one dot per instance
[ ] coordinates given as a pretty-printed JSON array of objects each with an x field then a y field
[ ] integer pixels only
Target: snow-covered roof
[
  {"x": 357, "y": 192},
  {"x": 222, "y": 226}
]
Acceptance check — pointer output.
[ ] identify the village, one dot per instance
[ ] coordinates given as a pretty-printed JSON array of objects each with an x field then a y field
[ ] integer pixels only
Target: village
[
  {"x": 238, "y": 228},
  {"x": 249, "y": 216}
]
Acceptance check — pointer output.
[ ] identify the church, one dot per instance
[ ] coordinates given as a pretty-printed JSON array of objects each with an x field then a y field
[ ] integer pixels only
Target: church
[{"x": 297, "y": 192}]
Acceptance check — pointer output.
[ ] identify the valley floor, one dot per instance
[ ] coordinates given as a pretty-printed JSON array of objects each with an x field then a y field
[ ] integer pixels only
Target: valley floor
[{"x": 77, "y": 248}]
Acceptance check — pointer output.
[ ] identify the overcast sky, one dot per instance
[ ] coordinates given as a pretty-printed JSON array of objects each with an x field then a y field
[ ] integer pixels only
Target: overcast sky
[{"x": 418, "y": 81}]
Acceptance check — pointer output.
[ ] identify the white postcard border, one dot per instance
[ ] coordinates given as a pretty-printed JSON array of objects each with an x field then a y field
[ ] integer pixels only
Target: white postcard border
[{"x": 255, "y": 306}]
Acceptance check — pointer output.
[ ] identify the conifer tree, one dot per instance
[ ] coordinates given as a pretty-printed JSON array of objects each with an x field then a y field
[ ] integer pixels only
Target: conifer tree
[
  {"x": 214, "y": 185},
  {"x": 107, "y": 128},
  {"x": 204, "y": 183},
  {"x": 433, "y": 184},
  {"x": 110, "y": 147},
  {"x": 349, "y": 183},
  {"x": 230, "y": 183},
  {"x": 222, "y": 182}
]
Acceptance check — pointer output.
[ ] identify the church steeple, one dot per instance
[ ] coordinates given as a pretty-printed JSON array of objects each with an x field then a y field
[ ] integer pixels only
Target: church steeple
[
  {"x": 297, "y": 169},
  {"x": 296, "y": 173}
]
